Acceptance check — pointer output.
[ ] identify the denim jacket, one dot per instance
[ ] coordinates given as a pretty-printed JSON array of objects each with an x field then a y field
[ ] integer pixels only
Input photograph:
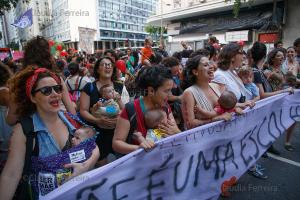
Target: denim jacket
[{"x": 47, "y": 144}]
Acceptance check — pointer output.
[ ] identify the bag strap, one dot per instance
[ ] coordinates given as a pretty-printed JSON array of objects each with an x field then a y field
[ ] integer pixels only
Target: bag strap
[
  {"x": 78, "y": 86},
  {"x": 132, "y": 120},
  {"x": 27, "y": 126},
  {"x": 69, "y": 86},
  {"x": 76, "y": 83}
]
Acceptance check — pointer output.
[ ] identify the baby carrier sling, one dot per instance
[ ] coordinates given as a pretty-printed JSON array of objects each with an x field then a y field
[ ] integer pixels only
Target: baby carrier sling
[{"x": 54, "y": 174}]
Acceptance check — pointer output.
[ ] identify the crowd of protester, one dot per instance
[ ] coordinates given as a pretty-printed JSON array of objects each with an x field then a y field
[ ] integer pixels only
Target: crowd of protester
[{"x": 122, "y": 101}]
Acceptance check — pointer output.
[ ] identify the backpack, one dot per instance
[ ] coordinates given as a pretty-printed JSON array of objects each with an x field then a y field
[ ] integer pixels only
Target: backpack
[
  {"x": 24, "y": 190},
  {"x": 74, "y": 94},
  {"x": 132, "y": 120}
]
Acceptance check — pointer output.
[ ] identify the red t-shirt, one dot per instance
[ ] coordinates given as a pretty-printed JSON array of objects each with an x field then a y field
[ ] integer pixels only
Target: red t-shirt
[
  {"x": 146, "y": 53},
  {"x": 141, "y": 127}
]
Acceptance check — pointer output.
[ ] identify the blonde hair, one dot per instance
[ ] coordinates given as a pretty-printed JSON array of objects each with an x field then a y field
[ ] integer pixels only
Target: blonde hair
[{"x": 245, "y": 71}]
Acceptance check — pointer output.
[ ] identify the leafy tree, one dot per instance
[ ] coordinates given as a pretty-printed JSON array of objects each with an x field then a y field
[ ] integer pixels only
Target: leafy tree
[
  {"x": 155, "y": 31},
  {"x": 237, "y": 5},
  {"x": 6, "y": 5},
  {"x": 13, "y": 45}
]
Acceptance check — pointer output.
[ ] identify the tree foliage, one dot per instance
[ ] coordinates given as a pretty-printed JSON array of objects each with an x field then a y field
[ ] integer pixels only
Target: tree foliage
[
  {"x": 13, "y": 45},
  {"x": 6, "y": 5},
  {"x": 237, "y": 5}
]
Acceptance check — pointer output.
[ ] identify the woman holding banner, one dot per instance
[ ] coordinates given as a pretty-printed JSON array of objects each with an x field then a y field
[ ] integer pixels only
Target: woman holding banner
[
  {"x": 43, "y": 131},
  {"x": 156, "y": 84},
  {"x": 199, "y": 92}
]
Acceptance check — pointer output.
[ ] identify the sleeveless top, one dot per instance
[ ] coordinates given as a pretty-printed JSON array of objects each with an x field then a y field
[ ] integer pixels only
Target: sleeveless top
[{"x": 201, "y": 98}]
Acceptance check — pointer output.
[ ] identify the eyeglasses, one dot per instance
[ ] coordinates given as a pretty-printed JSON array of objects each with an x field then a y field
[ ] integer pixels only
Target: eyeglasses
[
  {"x": 106, "y": 64},
  {"x": 48, "y": 90}
]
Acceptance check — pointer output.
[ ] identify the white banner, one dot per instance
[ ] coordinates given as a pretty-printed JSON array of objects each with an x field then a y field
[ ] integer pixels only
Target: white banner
[
  {"x": 86, "y": 39},
  {"x": 192, "y": 164}
]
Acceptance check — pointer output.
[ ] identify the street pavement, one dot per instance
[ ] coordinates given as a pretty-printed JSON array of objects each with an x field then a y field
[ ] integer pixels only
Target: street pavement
[{"x": 283, "y": 181}]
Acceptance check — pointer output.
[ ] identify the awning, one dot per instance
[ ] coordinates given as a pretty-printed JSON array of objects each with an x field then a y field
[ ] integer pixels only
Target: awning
[
  {"x": 259, "y": 18},
  {"x": 242, "y": 23}
]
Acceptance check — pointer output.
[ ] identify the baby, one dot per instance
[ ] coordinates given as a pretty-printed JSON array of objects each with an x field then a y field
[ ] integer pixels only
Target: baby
[
  {"x": 276, "y": 80},
  {"x": 109, "y": 107},
  {"x": 226, "y": 103},
  {"x": 246, "y": 75},
  {"x": 82, "y": 134},
  {"x": 290, "y": 80},
  {"x": 152, "y": 119}
]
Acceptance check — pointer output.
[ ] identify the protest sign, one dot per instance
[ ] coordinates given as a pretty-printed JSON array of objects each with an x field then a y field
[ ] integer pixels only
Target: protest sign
[{"x": 193, "y": 164}]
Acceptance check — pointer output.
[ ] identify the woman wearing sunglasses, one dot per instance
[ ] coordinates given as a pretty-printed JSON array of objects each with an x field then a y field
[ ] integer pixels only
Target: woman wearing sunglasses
[
  {"x": 38, "y": 93},
  {"x": 37, "y": 54}
]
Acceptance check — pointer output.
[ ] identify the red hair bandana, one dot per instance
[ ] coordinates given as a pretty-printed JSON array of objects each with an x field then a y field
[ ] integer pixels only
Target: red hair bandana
[{"x": 33, "y": 78}]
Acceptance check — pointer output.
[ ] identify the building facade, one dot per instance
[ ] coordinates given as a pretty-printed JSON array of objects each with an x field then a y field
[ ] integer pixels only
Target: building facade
[
  {"x": 194, "y": 20},
  {"x": 122, "y": 23},
  {"x": 19, "y": 35},
  {"x": 9, "y": 32},
  {"x": 39, "y": 18},
  {"x": 2, "y": 38},
  {"x": 67, "y": 17}
]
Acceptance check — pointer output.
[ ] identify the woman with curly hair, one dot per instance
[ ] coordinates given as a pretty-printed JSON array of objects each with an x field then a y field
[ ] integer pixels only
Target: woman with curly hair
[
  {"x": 275, "y": 61},
  {"x": 37, "y": 92},
  {"x": 199, "y": 92},
  {"x": 37, "y": 54}
]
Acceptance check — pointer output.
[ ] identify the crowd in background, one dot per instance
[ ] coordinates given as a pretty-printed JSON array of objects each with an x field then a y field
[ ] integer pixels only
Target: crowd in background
[{"x": 130, "y": 99}]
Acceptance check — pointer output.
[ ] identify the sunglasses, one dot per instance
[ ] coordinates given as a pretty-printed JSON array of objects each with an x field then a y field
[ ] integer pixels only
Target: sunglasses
[{"x": 48, "y": 90}]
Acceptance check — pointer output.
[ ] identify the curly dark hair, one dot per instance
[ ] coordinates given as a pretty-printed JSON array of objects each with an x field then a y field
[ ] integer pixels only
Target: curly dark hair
[
  {"x": 258, "y": 51},
  {"x": 17, "y": 86},
  {"x": 97, "y": 65},
  {"x": 112, "y": 52},
  {"x": 203, "y": 52},
  {"x": 37, "y": 52},
  {"x": 153, "y": 76},
  {"x": 226, "y": 54},
  {"x": 189, "y": 78},
  {"x": 5, "y": 74},
  {"x": 272, "y": 55},
  {"x": 296, "y": 42},
  {"x": 211, "y": 49},
  {"x": 170, "y": 62},
  {"x": 73, "y": 68}
]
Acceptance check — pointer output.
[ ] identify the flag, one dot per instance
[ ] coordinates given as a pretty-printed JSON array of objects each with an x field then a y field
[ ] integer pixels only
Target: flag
[{"x": 24, "y": 20}]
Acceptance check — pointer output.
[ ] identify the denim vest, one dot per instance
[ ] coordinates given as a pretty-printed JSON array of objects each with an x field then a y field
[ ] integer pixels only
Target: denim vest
[{"x": 47, "y": 144}]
